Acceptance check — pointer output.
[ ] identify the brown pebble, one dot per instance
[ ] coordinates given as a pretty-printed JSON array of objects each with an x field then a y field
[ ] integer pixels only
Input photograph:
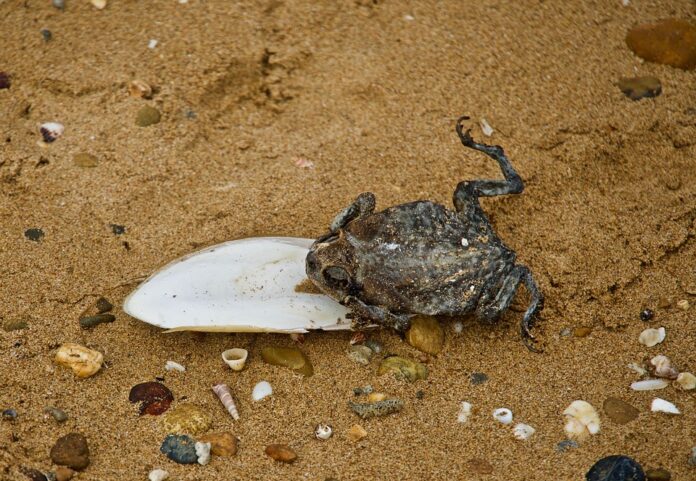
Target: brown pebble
[
  {"x": 670, "y": 42},
  {"x": 426, "y": 334},
  {"x": 138, "y": 88},
  {"x": 356, "y": 433},
  {"x": 479, "y": 466},
  {"x": 619, "y": 411},
  {"x": 4, "y": 80},
  {"x": 64, "y": 474},
  {"x": 281, "y": 452},
  {"x": 664, "y": 302},
  {"x": 83, "y": 159},
  {"x": 103, "y": 305},
  {"x": 658, "y": 474},
  {"x": 71, "y": 450},
  {"x": 147, "y": 116},
  {"x": 582, "y": 331},
  {"x": 221, "y": 444},
  {"x": 636, "y": 88}
]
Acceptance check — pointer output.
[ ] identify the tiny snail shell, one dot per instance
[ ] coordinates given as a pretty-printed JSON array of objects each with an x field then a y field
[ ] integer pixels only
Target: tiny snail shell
[
  {"x": 50, "y": 131},
  {"x": 225, "y": 394},
  {"x": 503, "y": 415},
  {"x": 235, "y": 358},
  {"x": 323, "y": 431}
]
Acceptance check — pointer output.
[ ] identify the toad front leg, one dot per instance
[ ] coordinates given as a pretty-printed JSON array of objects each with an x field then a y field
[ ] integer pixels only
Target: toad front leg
[
  {"x": 363, "y": 315},
  {"x": 363, "y": 205}
]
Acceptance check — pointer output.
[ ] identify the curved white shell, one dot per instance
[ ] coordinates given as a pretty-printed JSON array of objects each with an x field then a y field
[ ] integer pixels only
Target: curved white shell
[
  {"x": 261, "y": 390},
  {"x": 235, "y": 358},
  {"x": 652, "y": 337},
  {"x": 662, "y": 406},
  {"x": 247, "y": 285}
]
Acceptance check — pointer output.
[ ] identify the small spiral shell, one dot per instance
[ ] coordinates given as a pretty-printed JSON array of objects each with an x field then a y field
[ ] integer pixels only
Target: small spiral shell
[{"x": 225, "y": 394}]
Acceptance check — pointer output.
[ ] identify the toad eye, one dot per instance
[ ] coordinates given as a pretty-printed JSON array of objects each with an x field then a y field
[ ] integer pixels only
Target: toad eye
[{"x": 336, "y": 276}]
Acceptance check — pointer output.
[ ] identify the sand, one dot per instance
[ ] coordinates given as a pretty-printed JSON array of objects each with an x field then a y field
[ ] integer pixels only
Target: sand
[{"x": 368, "y": 92}]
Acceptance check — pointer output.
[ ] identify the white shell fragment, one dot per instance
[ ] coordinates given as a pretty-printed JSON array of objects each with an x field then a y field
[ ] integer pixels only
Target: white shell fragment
[
  {"x": 651, "y": 337},
  {"x": 663, "y": 367},
  {"x": 235, "y": 358},
  {"x": 503, "y": 415},
  {"x": 637, "y": 369},
  {"x": 662, "y": 406},
  {"x": 158, "y": 475},
  {"x": 464, "y": 412},
  {"x": 203, "y": 452},
  {"x": 50, "y": 131},
  {"x": 247, "y": 285},
  {"x": 582, "y": 420},
  {"x": 261, "y": 390},
  {"x": 486, "y": 127},
  {"x": 523, "y": 431},
  {"x": 686, "y": 381},
  {"x": 649, "y": 385},
  {"x": 323, "y": 431},
  {"x": 152, "y": 43},
  {"x": 174, "y": 366}
]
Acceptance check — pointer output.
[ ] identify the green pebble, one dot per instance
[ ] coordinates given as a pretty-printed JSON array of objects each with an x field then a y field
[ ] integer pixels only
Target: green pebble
[
  {"x": 10, "y": 326},
  {"x": 288, "y": 357},
  {"x": 83, "y": 159},
  {"x": 91, "y": 321},
  {"x": 147, "y": 116}
]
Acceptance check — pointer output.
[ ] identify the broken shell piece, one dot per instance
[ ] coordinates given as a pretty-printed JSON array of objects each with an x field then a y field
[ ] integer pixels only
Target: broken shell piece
[
  {"x": 464, "y": 412},
  {"x": 356, "y": 433},
  {"x": 651, "y": 337},
  {"x": 50, "y": 131},
  {"x": 662, "y": 406},
  {"x": 261, "y": 390},
  {"x": 486, "y": 127},
  {"x": 174, "y": 366},
  {"x": 138, "y": 88},
  {"x": 663, "y": 367},
  {"x": 225, "y": 395},
  {"x": 503, "y": 415},
  {"x": 98, "y": 4},
  {"x": 582, "y": 420},
  {"x": 523, "y": 431},
  {"x": 649, "y": 385},
  {"x": 323, "y": 431},
  {"x": 683, "y": 305},
  {"x": 638, "y": 369},
  {"x": 686, "y": 381},
  {"x": 83, "y": 361},
  {"x": 158, "y": 475},
  {"x": 203, "y": 452},
  {"x": 235, "y": 358}
]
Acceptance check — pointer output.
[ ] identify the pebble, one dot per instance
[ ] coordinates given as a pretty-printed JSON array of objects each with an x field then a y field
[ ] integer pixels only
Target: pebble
[
  {"x": 4, "y": 81},
  {"x": 359, "y": 391},
  {"x": 281, "y": 453},
  {"x": 360, "y": 354},
  {"x": 83, "y": 361},
  {"x": 154, "y": 397},
  {"x": 458, "y": 327},
  {"x": 180, "y": 449},
  {"x": 478, "y": 378},
  {"x": 9, "y": 414},
  {"x": 50, "y": 131},
  {"x": 464, "y": 412},
  {"x": 426, "y": 334},
  {"x": 582, "y": 331},
  {"x": 683, "y": 305},
  {"x": 323, "y": 431},
  {"x": 403, "y": 369},
  {"x": 138, "y": 88},
  {"x": 658, "y": 474},
  {"x": 566, "y": 444},
  {"x": 34, "y": 234},
  {"x": 288, "y": 357},
  {"x": 91, "y": 321},
  {"x": 652, "y": 337},
  {"x": 158, "y": 475},
  {"x": 374, "y": 397},
  {"x": 118, "y": 229},
  {"x": 692, "y": 457},
  {"x": 582, "y": 420},
  {"x": 649, "y": 385},
  {"x": 670, "y": 42},
  {"x": 356, "y": 432},
  {"x": 479, "y": 466},
  {"x": 103, "y": 305},
  {"x": 221, "y": 444},
  {"x": 686, "y": 381},
  {"x": 98, "y": 4},
  {"x": 503, "y": 415},
  {"x": 663, "y": 406},
  {"x": 64, "y": 474},
  {"x": 147, "y": 116},
  {"x": 261, "y": 390},
  {"x": 615, "y": 468},
  {"x": 187, "y": 418},
  {"x": 203, "y": 452},
  {"x": 15, "y": 325},
  {"x": 46, "y": 34},
  {"x": 174, "y": 366},
  {"x": 152, "y": 43},
  {"x": 72, "y": 451},
  {"x": 381, "y": 408},
  {"x": 86, "y": 160},
  {"x": 487, "y": 131},
  {"x": 636, "y": 88},
  {"x": 646, "y": 314},
  {"x": 58, "y": 414},
  {"x": 59, "y": 4},
  {"x": 619, "y": 411},
  {"x": 523, "y": 431}
]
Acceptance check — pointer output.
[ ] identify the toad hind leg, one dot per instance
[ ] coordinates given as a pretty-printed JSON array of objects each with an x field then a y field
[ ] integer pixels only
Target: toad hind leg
[
  {"x": 363, "y": 205},
  {"x": 491, "y": 311},
  {"x": 362, "y": 315}
]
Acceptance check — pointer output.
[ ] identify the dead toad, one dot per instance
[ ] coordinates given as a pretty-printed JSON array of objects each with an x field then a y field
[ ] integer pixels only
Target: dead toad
[{"x": 422, "y": 258}]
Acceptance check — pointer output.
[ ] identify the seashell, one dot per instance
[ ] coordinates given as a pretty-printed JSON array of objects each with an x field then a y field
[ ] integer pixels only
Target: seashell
[
  {"x": 235, "y": 358},
  {"x": 223, "y": 392},
  {"x": 403, "y": 369},
  {"x": 375, "y": 397},
  {"x": 663, "y": 367},
  {"x": 503, "y": 415},
  {"x": 523, "y": 431},
  {"x": 649, "y": 385},
  {"x": 582, "y": 420},
  {"x": 356, "y": 432},
  {"x": 686, "y": 381},
  {"x": 288, "y": 357},
  {"x": 187, "y": 418},
  {"x": 138, "y": 88},
  {"x": 637, "y": 369},
  {"x": 381, "y": 408},
  {"x": 486, "y": 127},
  {"x": 651, "y": 337},
  {"x": 83, "y": 361},
  {"x": 98, "y": 4},
  {"x": 203, "y": 452},
  {"x": 261, "y": 390},
  {"x": 158, "y": 475},
  {"x": 174, "y": 366},
  {"x": 50, "y": 131},
  {"x": 247, "y": 285},
  {"x": 662, "y": 406},
  {"x": 323, "y": 431},
  {"x": 464, "y": 412},
  {"x": 154, "y": 398}
]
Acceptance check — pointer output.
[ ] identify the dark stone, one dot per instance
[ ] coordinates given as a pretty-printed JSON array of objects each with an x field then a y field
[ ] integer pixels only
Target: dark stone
[
  {"x": 34, "y": 234},
  {"x": 615, "y": 468},
  {"x": 646, "y": 315},
  {"x": 180, "y": 448},
  {"x": 619, "y": 411},
  {"x": 16, "y": 325},
  {"x": 4, "y": 81},
  {"x": 91, "y": 321},
  {"x": 118, "y": 229},
  {"x": 33, "y": 474},
  {"x": 154, "y": 398},
  {"x": 566, "y": 444},
  {"x": 72, "y": 451},
  {"x": 46, "y": 34},
  {"x": 478, "y": 378},
  {"x": 9, "y": 414},
  {"x": 103, "y": 305},
  {"x": 658, "y": 474},
  {"x": 420, "y": 394}
]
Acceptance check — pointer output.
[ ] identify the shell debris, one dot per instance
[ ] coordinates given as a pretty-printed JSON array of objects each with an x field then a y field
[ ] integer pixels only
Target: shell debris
[
  {"x": 50, "y": 131},
  {"x": 686, "y": 381},
  {"x": 323, "y": 431},
  {"x": 203, "y": 452},
  {"x": 235, "y": 358},
  {"x": 158, "y": 475},
  {"x": 224, "y": 393},
  {"x": 464, "y": 412},
  {"x": 582, "y": 420},
  {"x": 649, "y": 385},
  {"x": 503, "y": 415},
  {"x": 486, "y": 127},
  {"x": 663, "y": 367},
  {"x": 651, "y": 337},
  {"x": 663, "y": 406},
  {"x": 174, "y": 366},
  {"x": 523, "y": 431}
]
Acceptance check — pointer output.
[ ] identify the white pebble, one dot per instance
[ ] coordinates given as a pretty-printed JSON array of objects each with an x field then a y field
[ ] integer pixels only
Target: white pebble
[
  {"x": 458, "y": 327},
  {"x": 503, "y": 415},
  {"x": 203, "y": 452},
  {"x": 683, "y": 305},
  {"x": 625, "y": 3},
  {"x": 158, "y": 475},
  {"x": 686, "y": 381},
  {"x": 582, "y": 420},
  {"x": 183, "y": 1},
  {"x": 152, "y": 43},
  {"x": 486, "y": 127},
  {"x": 649, "y": 385},
  {"x": 465, "y": 242},
  {"x": 651, "y": 337},
  {"x": 174, "y": 366},
  {"x": 523, "y": 431},
  {"x": 662, "y": 406},
  {"x": 50, "y": 131},
  {"x": 261, "y": 390},
  {"x": 464, "y": 412}
]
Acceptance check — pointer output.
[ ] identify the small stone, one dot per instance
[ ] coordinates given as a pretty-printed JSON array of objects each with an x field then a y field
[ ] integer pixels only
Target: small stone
[
  {"x": 46, "y": 34},
  {"x": 83, "y": 361},
  {"x": 464, "y": 412},
  {"x": 619, "y": 411},
  {"x": 523, "y": 431},
  {"x": 58, "y": 414},
  {"x": 118, "y": 229},
  {"x": 664, "y": 302},
  {"x": 103, "y": 305},
  {"x": 157, "y": 475},
  {"x": 98, "y": 4},
  {"x": 4, "y": 81},
  {"x": 360, "y": 354},
  {"x": 64, "y": 474},
  {"x": 477, "y": 378},
  {"x": 72, "y": 451},
  {"x": 686, "y": 381},
  {"x": 566, "y": 332},
  {"x": 59, "y": 4},
  {"x": 420, "y": 394},
  {"x": 138, "y": 88},
  {"x": 9, "y": 414},
  {"x": 261, "y": 390},
  {"x": 566, "y": 444},
  {"x": 615, "y": 468},
  {"x": 281, "y": 453},
  {"x": 86, "y": 160},
  {"x": 288, "y": 357},
  {"x": 152, "y": 43},
  {"x": 355, "y": 433},
  {"x": 203, "y": 452},
  {"x": 683, "y": 304},
  {"x": 187, "y": 418},
  {"x": 154, "y": 398},
  {"x": 692, "y": 457},
  {"x": 359, "y": 391},
  {"x": 34, "y": 234},
  {"x": 646, "y": 315},
  {"x": 50, "y": 131},
  {"x": 180, "y": 449},
  {"x": 147, "y": 116},
  {"x": 658, "y": 474},
  {"x": 636, "y": 88},
  {"x": 403, "y": 369},
  {"x": 15, "y": 325},
  {"x": 425, "y": 334},
  {"x": 221, "y": 444},
  {"x": 33, "y": 474},
  {"x": 91, "y": 321},
  {"x": 582, "y": 331},
  {"x": 377, "y": 409},
  {"x": 479, "y": 466},
  {"x": 375, "y": 397},
  {"x": 652, "y": 337},
  {"x": 670, "y": 42}
]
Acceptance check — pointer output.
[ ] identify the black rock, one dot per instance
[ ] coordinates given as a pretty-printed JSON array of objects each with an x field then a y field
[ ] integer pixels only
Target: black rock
[
  {"x": 118, "y": 229},
  {"x": 9, "y": 414},
  {"x": 4, "y": 81},
  {"x": 33, "y": 474},
  {"x": 478, "y": 378},
  {"x": 91, "y": 321},
  {"x": 46, "y": 34},
  {"x": 646, "y": 315},
  {"x": 615, "y": 468},
  {"x": 34, "y": 234},
  {"x": 180, "y": 449}
]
